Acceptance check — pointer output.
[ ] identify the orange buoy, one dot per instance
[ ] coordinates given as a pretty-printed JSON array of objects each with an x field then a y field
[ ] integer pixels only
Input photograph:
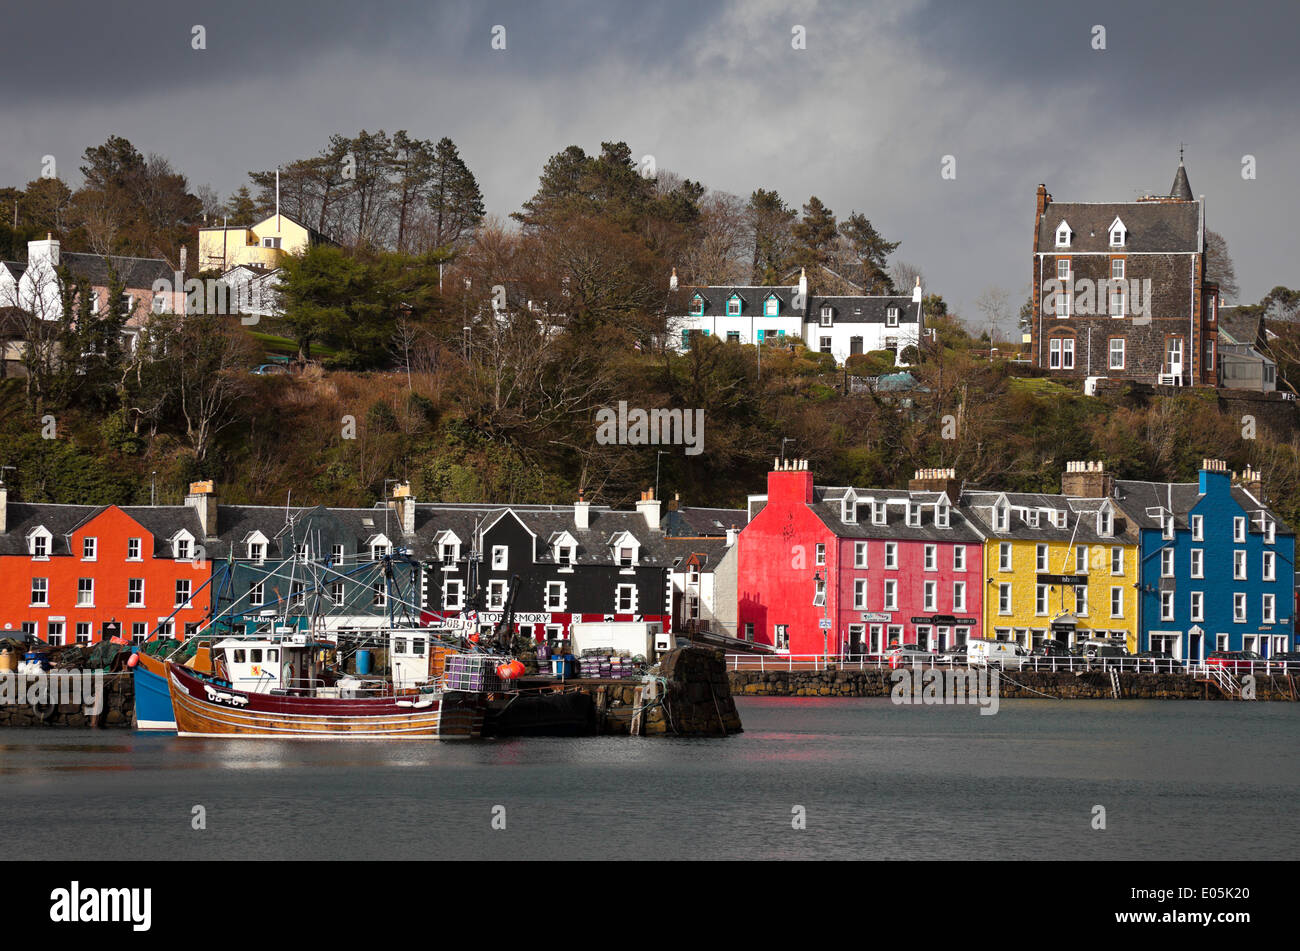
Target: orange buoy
[{"x": 133, "y": 660}]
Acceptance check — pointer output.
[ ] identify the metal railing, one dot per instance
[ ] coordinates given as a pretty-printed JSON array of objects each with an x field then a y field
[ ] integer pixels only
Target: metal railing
[{"x": 1146, "y": 665}]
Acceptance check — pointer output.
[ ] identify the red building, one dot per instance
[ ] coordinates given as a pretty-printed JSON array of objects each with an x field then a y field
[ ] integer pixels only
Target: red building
[
  {"x": 849, "y": 570},
  {"x": 73, "y": 573}
]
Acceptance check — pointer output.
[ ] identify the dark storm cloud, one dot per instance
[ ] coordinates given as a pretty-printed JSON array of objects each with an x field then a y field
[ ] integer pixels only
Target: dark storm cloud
[{"x": 862, "y": 117}]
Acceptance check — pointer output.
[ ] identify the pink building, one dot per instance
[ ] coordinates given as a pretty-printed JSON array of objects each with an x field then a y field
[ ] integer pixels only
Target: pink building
[{"x": 850, "y": 570}]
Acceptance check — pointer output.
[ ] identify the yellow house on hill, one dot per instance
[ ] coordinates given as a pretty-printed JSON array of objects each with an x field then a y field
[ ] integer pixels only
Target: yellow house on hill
[{"x": 262, "y": 245}]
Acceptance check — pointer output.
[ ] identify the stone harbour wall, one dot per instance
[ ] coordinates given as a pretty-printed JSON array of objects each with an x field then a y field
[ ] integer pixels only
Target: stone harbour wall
[
  {"x": 1015, "y": 684},
  {"x": 695, "y": 699},
  {"x": 118, "y": 709}
]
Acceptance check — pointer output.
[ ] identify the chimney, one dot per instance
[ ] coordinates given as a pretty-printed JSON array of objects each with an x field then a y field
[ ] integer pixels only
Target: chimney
[
  {"x": 672, "y": 281},
  {"x": 731, "y": 536},
  {"x": 403, "y": 504},
  {"x": 582, "y": 513},
  {"x": 4, "y": 508},
  {"x": 916, "y": 291},
  {"x": 1250, "y": 479},
  {"x": 649, "y": 509},
  {"x": 43, "y": 252},
  {"x": 790, "y": 481},
  {"x": 1213, "y": 471},
  {"x": 803, "y": 283},
  {"x": 1044, "y": 199},
  {"x": 184, "y": 255},
  {"x": 937, "y": 480},
  {"x": 203, "y": 499},
  {"x": 1087, "y": 480},
  {"x": 676, "y": 503}
]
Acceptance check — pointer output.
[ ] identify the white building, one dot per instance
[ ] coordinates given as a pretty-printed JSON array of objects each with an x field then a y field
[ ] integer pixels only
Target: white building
[{"x": 839, "y": 325}]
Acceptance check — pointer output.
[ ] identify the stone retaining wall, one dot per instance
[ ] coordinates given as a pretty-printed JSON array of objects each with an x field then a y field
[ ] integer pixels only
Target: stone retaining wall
[
  {"x": 118, "y": 708},
  {"x": 1016, "y": 684}
]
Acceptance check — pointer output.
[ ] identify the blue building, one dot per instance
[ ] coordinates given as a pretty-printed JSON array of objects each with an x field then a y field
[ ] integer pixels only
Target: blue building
[{"x": 1217, "y": 567}]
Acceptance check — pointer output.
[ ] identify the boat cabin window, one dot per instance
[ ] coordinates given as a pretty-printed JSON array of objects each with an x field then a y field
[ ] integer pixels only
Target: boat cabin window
[
  {"x": 256, "y": 655},
  {"x": 239, "y": 655},
  {"x": 273, "y": 656},
  {"x": 417, "y": 646},
  {"x": 399, "y": 645}
]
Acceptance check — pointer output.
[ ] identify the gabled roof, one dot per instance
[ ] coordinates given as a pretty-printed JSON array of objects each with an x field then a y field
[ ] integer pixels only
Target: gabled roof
[
  {"x": 827, "y": 506},
  {"x": 863, "y": 309},
  {"x": 135, "y": 273},
  {"x": 696, "y": 521},
  {"x": 752, "y": 297},
  {"x": 1143, "y": 500},
  {"x": 1080, "y": 523},
  {"x": 1152, "y": 226},
  {"x": 1241, "y": 325}
]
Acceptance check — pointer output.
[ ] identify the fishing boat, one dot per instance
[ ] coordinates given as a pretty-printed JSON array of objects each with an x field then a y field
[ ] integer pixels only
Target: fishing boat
[{"x": 208, "y": 705}]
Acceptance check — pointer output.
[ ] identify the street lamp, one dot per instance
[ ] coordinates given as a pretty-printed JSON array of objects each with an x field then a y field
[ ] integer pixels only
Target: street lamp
[{"x": 661, "y": 452}]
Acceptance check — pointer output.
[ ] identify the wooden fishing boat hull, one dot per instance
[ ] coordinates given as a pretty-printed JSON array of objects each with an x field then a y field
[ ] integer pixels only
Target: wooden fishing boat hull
[{"x": 204, "y": 707}]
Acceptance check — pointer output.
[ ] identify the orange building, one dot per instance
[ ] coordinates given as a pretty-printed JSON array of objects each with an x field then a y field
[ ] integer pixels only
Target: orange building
[{"x": 81, "y": 573}]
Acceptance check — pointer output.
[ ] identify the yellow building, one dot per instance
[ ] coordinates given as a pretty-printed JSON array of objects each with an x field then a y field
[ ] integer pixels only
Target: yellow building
[
  {"x": 1056, "y": 566},
  {"x": 262, "y": 245}
]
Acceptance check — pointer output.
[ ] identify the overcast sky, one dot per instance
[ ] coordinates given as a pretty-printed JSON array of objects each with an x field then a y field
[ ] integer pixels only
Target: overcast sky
[{"x": 862, "y": 117}]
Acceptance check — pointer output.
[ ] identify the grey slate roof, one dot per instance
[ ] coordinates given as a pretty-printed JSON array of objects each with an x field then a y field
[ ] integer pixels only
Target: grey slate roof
[
  {"x": 710, "y": 551},
  {"x": 133, "y": 272},
  {"x": 1152, "y": 226},
  {"x": 1182, "y": 188},
  {"x": 696, "y": 521},
  {"x": 1140, "y": 498},
  {"x": 25, "y": 517},
  {"x": 1080, "y": 522},
  {"x": 14, "y": 268},
  {"x": 863, "y": 309},
  {"x": 1241, "y": 325},
  {"x": 751, "y": 297},
  {"x": 827, "y": 504}
]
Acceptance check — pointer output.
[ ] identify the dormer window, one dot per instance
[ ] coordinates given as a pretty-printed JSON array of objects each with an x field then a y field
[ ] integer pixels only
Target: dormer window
[
  {"x": 1058, "y": 518},
  {"x": 256, "y": 552},
  {"x": 891, "y": 317},
  {"x": 913, "y": 514},
  {"x": 1167, "y": 524},
  {"x": 697, "y": 306},
  {"x": 1118, "y": 234},
  {"x": 39, "y": 542},
  {"x": 625, "y": 549},
  {"x": 772, "y": 306},
  {"x": 1031, "y": 517},
  {"x": 733, "y": 305},
  {"x": 182, "y": 546},
  {"x": 1063, "y": 235},
  {"x": 1105, "y": 522},
  {"x": 849, "y": 509},
  {"x": 942, "y": 512},
  {"x": 564, "y": 547},
  {"x": 1001, "y": 516},
  {"x": 827, "y": 315},
  {"x": 564, "y": 555},
  {"x": 877, "y": 512}
]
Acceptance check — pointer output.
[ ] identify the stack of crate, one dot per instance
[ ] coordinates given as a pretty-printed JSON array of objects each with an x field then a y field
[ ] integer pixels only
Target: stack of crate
[{"x": 476, "y": 673}]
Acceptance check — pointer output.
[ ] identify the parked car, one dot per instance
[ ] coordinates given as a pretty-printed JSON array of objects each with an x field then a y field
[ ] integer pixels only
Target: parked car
[
  {"x": 1052, "y": 648},
  {"x": 1155, "y": 660},
  {"x": 909, "y": 654},
  {"x": 954, "y": 655},
  {"x": 1236, "y": 661},
  {"x": 1094, "y": 647},
  {"x": 1004, "y": 654},
  {"x": 268, "y": 369},
  {"x": 1287, "y": 661}
]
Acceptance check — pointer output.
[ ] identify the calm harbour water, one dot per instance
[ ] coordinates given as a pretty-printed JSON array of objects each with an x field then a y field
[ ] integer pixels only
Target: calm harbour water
[{"x": 1177, "y": 779}]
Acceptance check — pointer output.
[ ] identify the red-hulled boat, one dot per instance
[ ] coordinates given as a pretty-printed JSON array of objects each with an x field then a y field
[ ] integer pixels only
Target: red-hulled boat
[{"x": 209, "y": 706}]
